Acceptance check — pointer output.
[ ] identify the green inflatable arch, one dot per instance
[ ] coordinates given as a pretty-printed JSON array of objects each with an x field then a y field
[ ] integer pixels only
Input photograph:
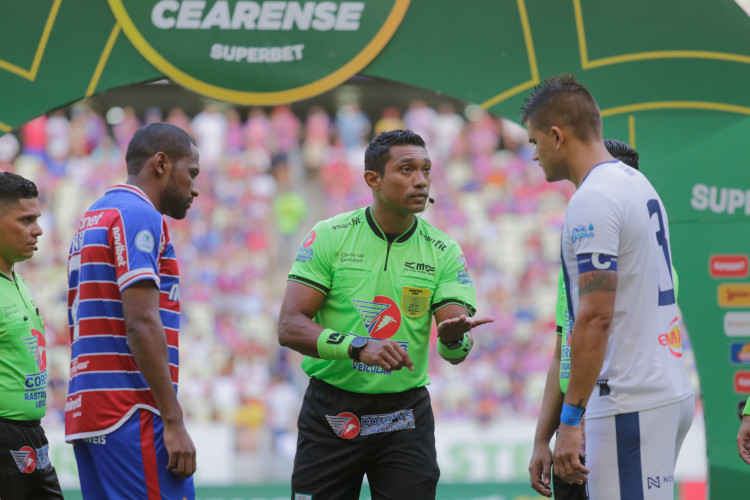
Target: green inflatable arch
[{"x": 671, "y": 77}]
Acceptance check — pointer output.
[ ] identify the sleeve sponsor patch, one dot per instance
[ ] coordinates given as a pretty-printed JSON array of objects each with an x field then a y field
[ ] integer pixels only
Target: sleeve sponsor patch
[
  {"x": 596, "y": 262},
  {"x": 144, "y": 241}
]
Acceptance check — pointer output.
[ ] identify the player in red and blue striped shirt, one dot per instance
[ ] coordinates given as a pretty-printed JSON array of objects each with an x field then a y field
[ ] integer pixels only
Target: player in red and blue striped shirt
[{"x": 122, "y": 413}]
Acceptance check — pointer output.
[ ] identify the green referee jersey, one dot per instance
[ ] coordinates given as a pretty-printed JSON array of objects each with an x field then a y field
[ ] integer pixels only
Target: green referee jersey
[
  {"x": 565, "y": 325},
  {"x": 23, "y": 357},
  {"x": 380, "y": 290}
]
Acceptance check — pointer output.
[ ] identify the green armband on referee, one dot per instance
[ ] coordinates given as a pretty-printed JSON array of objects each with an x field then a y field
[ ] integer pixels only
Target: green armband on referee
[
  {"x": 455, "y": 350},
  {"x": 334, "y": 345},
  {"x": 746, "y": 411}
]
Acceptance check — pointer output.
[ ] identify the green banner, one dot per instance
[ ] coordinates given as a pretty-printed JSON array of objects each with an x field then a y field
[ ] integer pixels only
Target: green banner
[{"x": 259, "y": 52}]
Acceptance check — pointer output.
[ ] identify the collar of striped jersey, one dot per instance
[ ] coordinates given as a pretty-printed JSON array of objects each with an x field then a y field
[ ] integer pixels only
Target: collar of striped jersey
[
  {"x": 381, "y": 234},
  {"x": 131, "y": 189}
]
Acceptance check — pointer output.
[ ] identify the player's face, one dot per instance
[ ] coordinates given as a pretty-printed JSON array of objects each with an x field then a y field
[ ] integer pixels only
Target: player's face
[
  {"x": 545, "y": 144},
  {"x": 181, "y": 187},
  {"x": 405, "y": 184},
  {"x": 19, "y": 231}
]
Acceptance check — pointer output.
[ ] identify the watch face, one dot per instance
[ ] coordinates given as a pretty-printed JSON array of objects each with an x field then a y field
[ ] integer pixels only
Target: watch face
[{"x": 359, "y": 342}]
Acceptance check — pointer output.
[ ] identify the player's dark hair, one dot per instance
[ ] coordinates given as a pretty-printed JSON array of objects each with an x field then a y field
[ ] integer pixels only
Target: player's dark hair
[
  {"x": 151, "y": 139},
  {"x": 622, "y": 152},
  {"x": 378, "y": 152},
  {"x": 13, "y": 187},
  {"x": 563, "y": 101}
]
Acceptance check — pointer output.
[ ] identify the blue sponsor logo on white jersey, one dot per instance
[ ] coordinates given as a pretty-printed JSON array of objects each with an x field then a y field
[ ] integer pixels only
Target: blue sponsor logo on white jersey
[{"x": 581, "y": 231}]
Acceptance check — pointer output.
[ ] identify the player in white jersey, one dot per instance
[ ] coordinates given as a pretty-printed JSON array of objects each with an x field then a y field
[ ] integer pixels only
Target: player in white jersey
[{"x": 626, "y": 367}]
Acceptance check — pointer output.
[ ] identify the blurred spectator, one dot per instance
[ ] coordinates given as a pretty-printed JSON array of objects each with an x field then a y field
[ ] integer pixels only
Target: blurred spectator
[
  {"x": 389, "y": 120},
  {"x": 352, "y": 125}
]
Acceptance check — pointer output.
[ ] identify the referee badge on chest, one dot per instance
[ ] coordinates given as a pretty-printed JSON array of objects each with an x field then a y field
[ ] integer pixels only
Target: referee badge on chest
[{"x": 415, "y": 301}]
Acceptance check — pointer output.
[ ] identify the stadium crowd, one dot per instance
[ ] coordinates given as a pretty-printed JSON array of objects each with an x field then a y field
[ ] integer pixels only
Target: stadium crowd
[{"x": 266, "y": 175}]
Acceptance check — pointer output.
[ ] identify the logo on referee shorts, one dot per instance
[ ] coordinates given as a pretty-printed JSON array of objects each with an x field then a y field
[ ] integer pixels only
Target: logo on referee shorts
[
  {"x": 302, "y": 496},
  {"x": 28, "y": 459},
  {"x": 382, "y": 317},
  {"x": 345, "y": 425}
]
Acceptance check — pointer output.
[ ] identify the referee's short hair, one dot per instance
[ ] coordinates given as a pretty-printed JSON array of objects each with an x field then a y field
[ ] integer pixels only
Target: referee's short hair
[
  {"x": 13, "y": 187},
  {"x": 378, "y": 152},
  {"x": 151, "y": 139},
  {"x": 622, "y": 152}
]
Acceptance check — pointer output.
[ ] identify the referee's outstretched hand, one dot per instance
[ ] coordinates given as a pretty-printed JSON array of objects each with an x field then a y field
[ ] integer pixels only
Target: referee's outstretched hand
[
  {"x": 454, "y": 328},
  {"x": 386, "y": 354}
]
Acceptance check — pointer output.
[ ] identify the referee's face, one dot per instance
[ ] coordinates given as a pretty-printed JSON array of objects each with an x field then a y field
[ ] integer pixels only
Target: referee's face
[{"x": 405, "y": 184}]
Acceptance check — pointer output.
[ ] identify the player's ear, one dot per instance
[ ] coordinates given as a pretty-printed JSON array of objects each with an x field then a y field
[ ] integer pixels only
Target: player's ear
[
  {"x": 558, "y": 134},
  {"x": 372, "y": 179},
  {"x": 161, "y": 164}
]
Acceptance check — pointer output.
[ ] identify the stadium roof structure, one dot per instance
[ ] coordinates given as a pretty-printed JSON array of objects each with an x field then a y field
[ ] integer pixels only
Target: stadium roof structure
[{"x": 671, "y": 78}]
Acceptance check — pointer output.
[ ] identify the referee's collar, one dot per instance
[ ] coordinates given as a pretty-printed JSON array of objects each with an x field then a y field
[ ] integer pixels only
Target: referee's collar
[{"x": 381, "y": 234}]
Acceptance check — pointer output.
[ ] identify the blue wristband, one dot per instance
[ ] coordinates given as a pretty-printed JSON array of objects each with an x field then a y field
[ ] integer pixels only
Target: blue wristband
[{"x": 571, "y": 415}]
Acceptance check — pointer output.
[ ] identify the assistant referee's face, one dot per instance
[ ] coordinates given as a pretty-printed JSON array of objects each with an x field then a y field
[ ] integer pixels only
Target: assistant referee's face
[{"x": 405, "y": 184}]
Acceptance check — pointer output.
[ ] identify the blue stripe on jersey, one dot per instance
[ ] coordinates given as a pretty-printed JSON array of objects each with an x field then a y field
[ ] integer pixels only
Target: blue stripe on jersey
[
  {"x": 170, "y": 319},
  {"x": 596, "y": 262},
  {"x": 96, "y": 236},
  {"x": 99, "y": 308},
  {"x": 97, "y": 272},
  {"x": 108, "y": 381},
  {"x": 106, "y": 344},
  {"x": 628, "y": 435}
]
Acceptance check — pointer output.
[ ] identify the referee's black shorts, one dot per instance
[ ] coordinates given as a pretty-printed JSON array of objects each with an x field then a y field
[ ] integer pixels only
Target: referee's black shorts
[
  {"x": 25, "y": 468},
  {"x": 344, "y": 436}
]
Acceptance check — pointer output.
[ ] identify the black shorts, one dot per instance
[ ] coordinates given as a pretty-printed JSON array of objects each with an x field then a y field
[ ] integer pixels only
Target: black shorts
[
  {"x": 25, "y": 468},
  {"x": 344, "y": 436},
  {"x": 567, "y": 491}
]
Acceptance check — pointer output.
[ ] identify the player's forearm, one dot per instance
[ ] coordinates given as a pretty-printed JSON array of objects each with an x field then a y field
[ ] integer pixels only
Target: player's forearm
[
  {"x": 148, "y": 344},
  {"x": 549, "y": 416},
  {"x": 587, "y": 352}
]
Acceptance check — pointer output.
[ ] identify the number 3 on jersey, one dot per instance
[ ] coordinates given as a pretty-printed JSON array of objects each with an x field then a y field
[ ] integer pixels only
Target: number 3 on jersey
[{"x": 666, "y": 282}]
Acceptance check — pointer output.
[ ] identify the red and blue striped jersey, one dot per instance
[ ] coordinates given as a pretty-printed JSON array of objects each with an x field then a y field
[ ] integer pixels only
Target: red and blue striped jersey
[{"x": 122, "y": 239}]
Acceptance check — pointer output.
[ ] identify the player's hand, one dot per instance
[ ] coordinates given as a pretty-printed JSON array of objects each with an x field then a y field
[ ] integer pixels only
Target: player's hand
[
  {"x": 743, "y": 439},
  {"x": 386, "y": 354},
  {"x": 539, "y": 469},
  {"x": 566, "y": 461},
  {"x": 453, "y": 329},
  {"x": 181, "y": 450}
]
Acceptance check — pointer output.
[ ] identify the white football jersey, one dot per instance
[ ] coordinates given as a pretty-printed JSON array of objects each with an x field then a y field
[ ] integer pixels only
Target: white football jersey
[{"x": 616, "y": 221}]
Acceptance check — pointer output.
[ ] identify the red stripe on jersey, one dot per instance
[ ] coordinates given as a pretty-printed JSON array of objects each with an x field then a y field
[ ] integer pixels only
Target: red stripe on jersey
[
  {"x": 102, "y": 363},
  {"x": 101, "y": 326},
  {"x": 118, "y": 244},
  {"x": 96, "y": 254},
  {"x": 148, "y": 454},
  {"x": 96, "y": 290},
  {"x": 172, "y": 337},
  {"x": 168, "y": 267}
]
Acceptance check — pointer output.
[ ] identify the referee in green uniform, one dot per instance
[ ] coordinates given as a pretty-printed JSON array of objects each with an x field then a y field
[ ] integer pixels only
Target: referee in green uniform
[
  {"x": 359, "y": 304},
  {"x": 25, "y": 468}
]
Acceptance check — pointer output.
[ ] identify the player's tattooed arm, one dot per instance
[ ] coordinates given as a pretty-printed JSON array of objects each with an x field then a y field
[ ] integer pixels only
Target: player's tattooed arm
[{"x": 597, "y": 281}]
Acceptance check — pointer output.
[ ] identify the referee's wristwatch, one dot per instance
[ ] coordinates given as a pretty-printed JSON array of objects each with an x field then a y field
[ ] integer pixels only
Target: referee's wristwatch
[
  {"x": 454, "y": 344},
  {"x": 358, "y": 344}
]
